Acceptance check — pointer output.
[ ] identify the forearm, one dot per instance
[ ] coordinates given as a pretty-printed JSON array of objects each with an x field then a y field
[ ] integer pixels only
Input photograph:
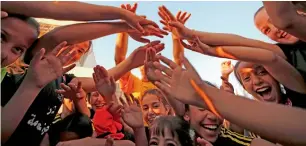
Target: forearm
[
  {"x": 257, "y": 114},
  {"x": 81, "y": 106},
  {"x": 261, "y": 142},
  {"x": 284, "y": 16},
  {"x": 278, "y": 67},
  {"x": 121, "y": 47},
  {"x": 178, "y": 106},
  {"x": 140, "y": 137},
  {"x": 178, "y": 49},
  {"x": 19, "y": 104},
  {"x": 64, "y": 10},
  {"x": 223, "y": 39},
  {"x": 78, "y": 33}
]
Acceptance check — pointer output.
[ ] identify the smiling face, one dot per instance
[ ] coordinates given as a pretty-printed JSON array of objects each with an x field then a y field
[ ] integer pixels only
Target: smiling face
[
  {"x": 16, "y": 37},
  {"x": 206, "y": 124},
  {"x": 152, "y": 107},
  {"x": 258, "y": 82},
  {"x": 263, "y": 23},
  {"x": 80, "y": 50},
  {"x": 96, "y": 100}
]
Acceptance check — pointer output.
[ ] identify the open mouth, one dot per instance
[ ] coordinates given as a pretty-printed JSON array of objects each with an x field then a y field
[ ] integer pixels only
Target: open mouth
[
  {"x": 210, "y": 127},
  {"x": 283, "y": 34},
  {"x": 264, "y": 92}
]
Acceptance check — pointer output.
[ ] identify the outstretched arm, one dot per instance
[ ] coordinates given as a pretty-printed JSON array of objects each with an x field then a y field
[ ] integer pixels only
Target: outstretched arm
[
  {"x": 278, "y": 67},
  {"x": 284, "y": 15}
]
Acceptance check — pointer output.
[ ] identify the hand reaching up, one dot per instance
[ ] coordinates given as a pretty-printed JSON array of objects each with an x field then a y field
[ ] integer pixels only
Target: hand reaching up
[
  {"x": 3, "y": 14},
  {"x": 167, "y": 17},
  {"x": 138, "y": 56},
  {"x": 72, "y": 91},
  {"x": 131, "y": 113},
  {"x": 175, "y": 81},
  {"x": 149, "y": 30},
  {"x": 148, "y": 65},
  {"x": 46, "y": 68},
  {"x": 105, "y": 84},
  {"x": 226, "y": 68}
]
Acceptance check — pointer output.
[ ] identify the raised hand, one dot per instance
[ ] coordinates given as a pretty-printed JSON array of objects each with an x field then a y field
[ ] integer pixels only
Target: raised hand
[
  {"x": 195, "y": 44},
  {"x": 105, "y": 84},
  {"x": 131, "y": 113},
  {"x": 114, "y": 109},
  {"x": 148, "y": 65},
  {"x": 46, "y": 68},
  {"x": 167, "y": 17},
  {"x": 138, "y": 56},
  {"x": 72, "y": 91},
  {"x": 226, "y": 68},
  {"x": 149, "y": 31},
  {"x": 175, "y": 81},
  {"x": 129, "y": 7}
]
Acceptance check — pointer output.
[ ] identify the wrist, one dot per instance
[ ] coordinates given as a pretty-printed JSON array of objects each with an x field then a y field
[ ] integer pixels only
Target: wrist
[
  {"x": 29, "y": 83},
  {"x": 225, "y": 77},
  {"x": 136, "y": 129}
]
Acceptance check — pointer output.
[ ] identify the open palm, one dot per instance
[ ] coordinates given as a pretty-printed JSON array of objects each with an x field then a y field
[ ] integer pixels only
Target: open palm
[{"x": 131, "y": 113}]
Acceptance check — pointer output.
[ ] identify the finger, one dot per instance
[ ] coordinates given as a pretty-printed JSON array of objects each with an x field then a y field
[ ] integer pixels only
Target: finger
[
  {"x": 162, "y": 16},
  {"x": 58, "y": 48},
  {"x": 65, "y": 52},
  {"x": 167, "y": 61},
  {"x": 94, "y": 78},
  {"x": 163, "y": 77},
  {"x": 140, "y": 28},
  {"x": 202, "y": 45},
  {"x": 167, "y": 29},
  {"x": 103, "y": 71},
  {"x": 188, "y": 65},
  {"x": 183, "y": 16},
  {"x": 157, "y": 34},
  {"x": 163, "y": 22},
  {"x": 65, "y": 87},
  {"x": 165, "y": 88},
  {"x": 186, "y": 18},
  {"x": 163, "y": 68},
  {"x": 99, "y": 73},
  {"x": 112, "y": 80},
  {"x": 152, "y": 54},
  {"x": 128, "y": 6},
  {"x": 67, "y": 69},
  {"x": 60, "y": 91},
  {"x": 141, "y": 39},
  {"x": 79, "y": 87},
  {"x": 169, "y": 13},
  {"x": 149, "y": 22},
  {"x": 123, "y": 6},
  {"x": 185, "y": 45},
  {"x": 4, "y": 14},
  {"x": 72, "y": 86},
  {"x": 176, "y": 24},
  {"x": 178, "y": 15},
  {"x": 151, "y": 44},
  {"x": 162, "y": 32},
  {"x": 122, "y": 101},
  {"x": 38, "y": 56},
  {"x": 134, "y": 8}
]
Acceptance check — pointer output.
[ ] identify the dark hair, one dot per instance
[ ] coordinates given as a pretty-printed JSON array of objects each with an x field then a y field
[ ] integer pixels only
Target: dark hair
[
  {"x": 262, "y": 7},
  {"x": 76, "y": 122},
  {"x": 236, "y": 72},
  {"x": 29, "y": 20},
  {"x": 176, "y": 125}
]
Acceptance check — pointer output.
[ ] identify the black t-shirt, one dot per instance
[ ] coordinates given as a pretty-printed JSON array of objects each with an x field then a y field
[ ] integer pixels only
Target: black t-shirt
[
  {"x": 230, "y": 138},
  {"x": 297, "y": 99},
  {"x": 296, "y": 55},
  {"x": 38, "y": 119}
]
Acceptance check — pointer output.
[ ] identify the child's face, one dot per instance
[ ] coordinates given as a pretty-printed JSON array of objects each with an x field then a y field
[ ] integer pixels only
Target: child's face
[
  {"x": 205, "y": 123},
  {"x": 16, "y": 37},
  {"x": 96, "y": 100},
  {"x": 166, "y": 138}
]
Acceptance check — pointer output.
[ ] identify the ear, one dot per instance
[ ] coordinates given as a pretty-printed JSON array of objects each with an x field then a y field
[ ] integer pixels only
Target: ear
[
  {"x": 186, "y": 117},
  {"x": 168, "y": 109}
]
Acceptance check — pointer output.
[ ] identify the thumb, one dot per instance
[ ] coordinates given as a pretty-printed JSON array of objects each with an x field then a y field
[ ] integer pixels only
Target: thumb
[
  {"x": 4, "y": 14},
  {"x": 38, "y": 56},
  {"x": 109, "y": 142},
  {"x": 203, "y": 142}
]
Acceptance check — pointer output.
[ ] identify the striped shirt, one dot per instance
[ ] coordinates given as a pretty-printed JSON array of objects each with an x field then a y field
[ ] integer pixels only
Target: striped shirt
[{"x": 230, "y": 138}]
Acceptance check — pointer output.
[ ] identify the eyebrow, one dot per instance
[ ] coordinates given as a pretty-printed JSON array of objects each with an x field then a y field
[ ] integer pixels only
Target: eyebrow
[{"x": 170, "y": 139}]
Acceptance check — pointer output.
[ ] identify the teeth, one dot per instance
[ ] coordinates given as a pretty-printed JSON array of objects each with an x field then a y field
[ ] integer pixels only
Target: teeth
[
  {"x": 262, "y": 89},
  {"x": 211, "y": 127}
]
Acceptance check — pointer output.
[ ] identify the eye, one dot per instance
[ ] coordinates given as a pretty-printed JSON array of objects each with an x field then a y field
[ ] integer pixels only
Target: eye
[
  {"x": 144, "y": 108},
  {"x": 18, "y": 50},
  {"x": 246, "y": 78},
  {"x": 266, "y": 31},
  {"x": 170, "y": 144},
  {"x": 156, "y": 105},
  {"x": 153, "y": 143},
  {"x": 262, "y": 72}
]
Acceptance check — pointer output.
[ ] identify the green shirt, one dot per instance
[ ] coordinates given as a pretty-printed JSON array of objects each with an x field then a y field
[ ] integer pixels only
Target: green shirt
[{"x": 3, "y": 73}]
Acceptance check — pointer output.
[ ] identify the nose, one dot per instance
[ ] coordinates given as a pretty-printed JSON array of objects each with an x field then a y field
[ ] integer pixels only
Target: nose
[
  {"x": 212, "y": 117},
  {"x": 256, "y": 80}
]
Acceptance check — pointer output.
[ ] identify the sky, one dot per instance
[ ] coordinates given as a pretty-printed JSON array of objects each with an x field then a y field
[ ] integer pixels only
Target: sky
[{"x": 218, "y": 17}]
